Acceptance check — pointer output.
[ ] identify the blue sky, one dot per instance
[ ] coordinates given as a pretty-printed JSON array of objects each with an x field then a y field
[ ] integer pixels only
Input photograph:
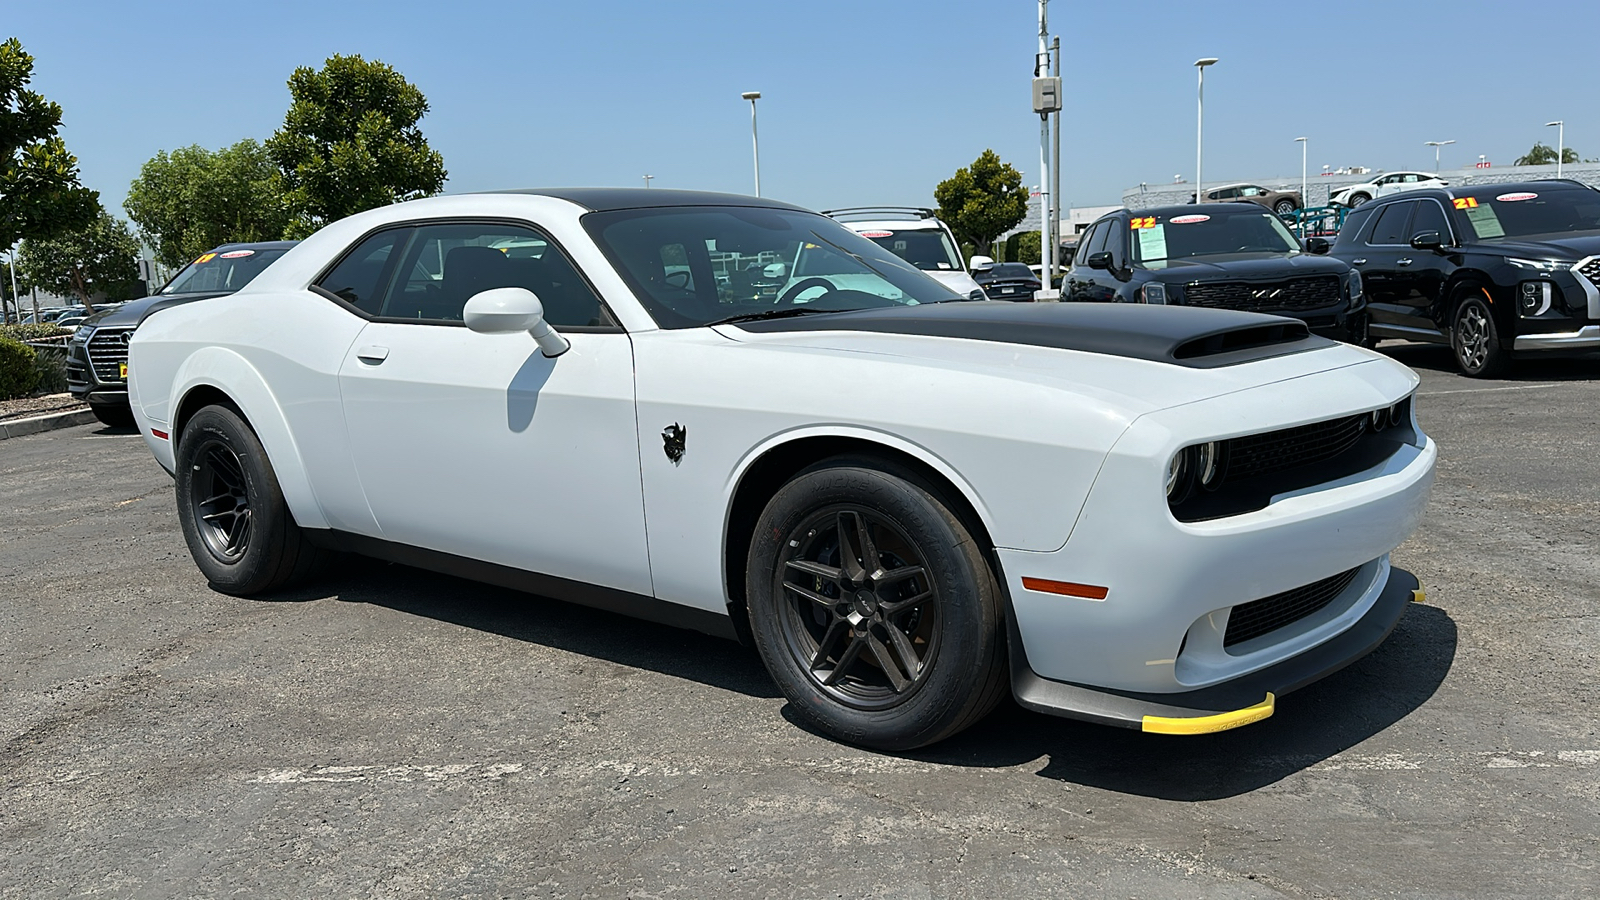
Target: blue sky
[{"x": 864, "y": 102}]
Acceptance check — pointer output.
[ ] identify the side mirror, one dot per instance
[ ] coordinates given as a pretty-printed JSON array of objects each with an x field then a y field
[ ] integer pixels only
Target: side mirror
[
  {"x": 509, "y": 310},
  {"x": 980, "y": 264},
  {"x": 1317, "y": 245},
  {"x": 1427, "y": 240},
  {"x": 1101, "y": 260}
]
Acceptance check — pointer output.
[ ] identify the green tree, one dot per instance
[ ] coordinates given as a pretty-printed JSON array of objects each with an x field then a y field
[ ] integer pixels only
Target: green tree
[
  {"x": 983, "y": 200},
  {"x": 350, "y": 142},
  {"x": 101, "y": 259},
  {"x": 1023, "y": 247},
  {"x": 39, "y": 191},
  {"x": 192, "y": 199},
  {"x": 1543, "y": 154}
]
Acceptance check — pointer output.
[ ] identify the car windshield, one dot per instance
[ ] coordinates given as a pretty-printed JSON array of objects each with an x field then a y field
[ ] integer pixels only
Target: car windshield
[
  {"x": 222, "y": 271},
  {"x": 1497, "y": 214},
  {"x": 1168, "y": 237},
  {"x": 926, "y": 248},
  {"x": 694, "y": 266}
]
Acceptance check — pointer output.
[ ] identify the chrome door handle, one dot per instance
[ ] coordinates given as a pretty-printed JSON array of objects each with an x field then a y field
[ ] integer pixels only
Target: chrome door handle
[
  {"x": 373, "y": 355},
  {"x": 1403, "y": 262},
  {"x": 1358, "y": 262}
]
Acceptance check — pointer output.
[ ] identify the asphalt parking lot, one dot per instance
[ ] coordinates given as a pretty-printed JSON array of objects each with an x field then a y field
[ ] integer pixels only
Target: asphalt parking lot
[{"x": 392, "y": 733}]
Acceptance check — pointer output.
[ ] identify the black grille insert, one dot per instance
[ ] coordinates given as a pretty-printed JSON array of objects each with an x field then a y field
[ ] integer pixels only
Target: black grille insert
[
  {"x": 1259, "y": 617},
  {"x": 1297, "y": 294},
  {"x": 1591, "y": 271}
]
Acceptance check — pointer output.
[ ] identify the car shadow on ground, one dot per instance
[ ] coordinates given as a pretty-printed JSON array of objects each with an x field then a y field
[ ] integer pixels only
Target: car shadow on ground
[
  {"x": 626, "y": 641},
  {"x": 1310, "y": 726},
  {"x": 1440, "y": 358},
  {"x": 106, "y": 430}
]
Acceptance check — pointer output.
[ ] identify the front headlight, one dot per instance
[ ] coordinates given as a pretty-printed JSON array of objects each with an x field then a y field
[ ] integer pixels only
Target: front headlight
[
  {"x": 1153, "y": 292},
  {"x": 1355, "y": 285},
  {"x": 1538, "y": 265},
  {"x": 83, "y": 334}
]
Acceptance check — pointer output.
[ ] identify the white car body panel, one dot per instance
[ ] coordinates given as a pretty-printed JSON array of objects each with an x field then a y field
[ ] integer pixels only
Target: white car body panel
[{"x": 476, "y": 445}]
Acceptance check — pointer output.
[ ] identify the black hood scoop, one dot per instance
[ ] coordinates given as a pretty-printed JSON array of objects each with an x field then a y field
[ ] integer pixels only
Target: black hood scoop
[{"x": 1182, "y": 336}]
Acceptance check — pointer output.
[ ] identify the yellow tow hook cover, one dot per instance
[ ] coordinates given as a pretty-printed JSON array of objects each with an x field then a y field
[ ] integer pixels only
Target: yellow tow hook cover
[
  {"x": 1420, "y": 595},
  {"x": 1209, "y": 724}
]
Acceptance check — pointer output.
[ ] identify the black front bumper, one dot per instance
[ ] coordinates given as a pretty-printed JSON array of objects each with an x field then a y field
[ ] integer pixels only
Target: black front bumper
[
  {"x": 1235, "y": 698},
  {"x": 96, "y": 378}
]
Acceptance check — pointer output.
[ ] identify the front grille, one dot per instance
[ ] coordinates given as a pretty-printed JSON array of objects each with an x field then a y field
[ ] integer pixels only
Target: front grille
[
  {"x": 1294, "y": 295},
  {"x": 1276, "y": 451},
  {"x": 1591, "y": 271},
  {"x": 1252, "y": 620},
  {"x": 108, "y": 349}
]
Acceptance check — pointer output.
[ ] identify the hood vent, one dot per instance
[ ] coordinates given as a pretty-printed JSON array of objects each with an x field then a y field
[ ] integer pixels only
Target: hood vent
[{"x": 1286, "y": 332}]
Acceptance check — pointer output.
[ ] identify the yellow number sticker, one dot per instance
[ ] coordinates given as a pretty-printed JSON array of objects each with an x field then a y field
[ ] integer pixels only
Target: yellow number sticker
[
  {"x": 1137, "y": 223},
  {"x": 205, "y": 258},
  {"x": 1466, "y": 202}
]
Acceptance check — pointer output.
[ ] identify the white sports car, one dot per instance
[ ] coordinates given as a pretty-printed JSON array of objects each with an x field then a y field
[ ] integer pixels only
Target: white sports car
[{"x": 1160, "y": 518}]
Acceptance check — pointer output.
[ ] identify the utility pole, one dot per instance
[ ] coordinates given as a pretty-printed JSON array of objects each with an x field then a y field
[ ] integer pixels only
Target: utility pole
[
  {"x": 1561, "y": 141},
  {"x": 647, "y": 181},
  {"x": 755, "y": 141},
  {"x": 1046, "y": 100},
  {"x": 1055, "y": 169},
  {"x": 1200, "y": 127}
]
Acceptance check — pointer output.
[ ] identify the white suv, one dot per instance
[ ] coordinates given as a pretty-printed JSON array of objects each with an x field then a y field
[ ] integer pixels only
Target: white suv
[
  {"x": 915, "y": 235},
  {"x": 1383, "y": 185}
]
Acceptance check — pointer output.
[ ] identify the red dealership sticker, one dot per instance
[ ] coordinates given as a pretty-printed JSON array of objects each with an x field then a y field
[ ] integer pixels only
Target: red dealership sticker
[
  {"x": 238, "y": 254},
  {"x": 1189, "y": 220},
  {"x": 877, "y": 234},
  {"x": 1512, "y": 198}
]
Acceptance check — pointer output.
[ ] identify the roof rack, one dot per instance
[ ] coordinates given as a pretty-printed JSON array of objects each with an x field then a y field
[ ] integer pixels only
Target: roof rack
[{"x": 863, "y": 212}]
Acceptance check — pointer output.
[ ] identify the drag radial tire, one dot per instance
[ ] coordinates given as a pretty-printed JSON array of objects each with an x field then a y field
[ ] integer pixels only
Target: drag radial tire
[
  {"x": 873, "y": 607},
  {"x": 1475, "y": 339},
  {"x": 234, "y": 519}
]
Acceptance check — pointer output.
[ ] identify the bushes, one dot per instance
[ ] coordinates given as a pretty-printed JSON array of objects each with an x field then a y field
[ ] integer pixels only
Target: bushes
[
  {"x": 31, "y": 332},
  {"x": 50, "y": 363},
  {"x": 19, "y": 372}
]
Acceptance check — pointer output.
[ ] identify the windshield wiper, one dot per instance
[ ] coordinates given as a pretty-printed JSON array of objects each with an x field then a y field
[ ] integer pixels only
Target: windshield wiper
[{"x": 773, "y": 314}]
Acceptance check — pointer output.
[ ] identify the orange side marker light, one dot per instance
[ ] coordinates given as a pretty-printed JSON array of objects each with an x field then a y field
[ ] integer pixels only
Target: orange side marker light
[{"x": 1066, "y": 588}]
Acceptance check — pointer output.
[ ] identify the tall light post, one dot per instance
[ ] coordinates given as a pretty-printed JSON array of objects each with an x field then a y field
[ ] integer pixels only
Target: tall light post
[
  {"x": 1436, "y": 145},
  {"x": 1561, "y": 141},
  {"x": 755, "y": 141},
  {"x": 647, "y": 181},
  {"x": 1303, "y": 145},
  {"x": 1200, "y": 66}
]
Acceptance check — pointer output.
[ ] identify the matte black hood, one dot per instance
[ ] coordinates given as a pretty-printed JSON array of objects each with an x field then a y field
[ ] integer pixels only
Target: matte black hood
[
  {"x": 136, "y": 311},
  {"x": 1178, "y": 335},
  {"x": 1264, "y": 267}
]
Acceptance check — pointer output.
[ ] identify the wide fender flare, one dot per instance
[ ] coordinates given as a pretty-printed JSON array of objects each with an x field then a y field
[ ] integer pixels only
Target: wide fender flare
[
  {"x": 226, "y": 371},
  {"x": 868, "y": 435}
]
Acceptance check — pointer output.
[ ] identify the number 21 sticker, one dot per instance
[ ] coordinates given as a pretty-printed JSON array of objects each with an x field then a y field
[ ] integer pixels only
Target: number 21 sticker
[{"x": 1466, "y": 202}]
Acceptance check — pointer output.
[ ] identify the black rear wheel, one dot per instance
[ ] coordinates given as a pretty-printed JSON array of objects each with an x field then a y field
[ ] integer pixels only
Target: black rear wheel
[
  {"x": 238, "y": 527},
  {"x": 873, "y": 608}
]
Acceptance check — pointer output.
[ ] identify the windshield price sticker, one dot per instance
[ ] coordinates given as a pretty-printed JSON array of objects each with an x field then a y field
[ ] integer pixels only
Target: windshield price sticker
[
  {"x": 1189, "y": 220},
  {"x": 1137, "y": 222},
  {"x": 1513, "y": 198},
  {"x": 1153, "y": 242},
  {"x": 1466, "y": 203},
  {"x": 877, "y": 234},
  {"x": 1485, "y": 222},
  {"x": 240, "y": 254}
]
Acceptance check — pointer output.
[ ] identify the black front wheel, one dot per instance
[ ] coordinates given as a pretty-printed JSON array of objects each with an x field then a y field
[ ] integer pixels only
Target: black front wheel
[
  {"x": 115, "y": 415},
  {"x": 873, "y": 608},
  {"x": 1475, "y": 340},
  {"x": 234, "y": 518}
]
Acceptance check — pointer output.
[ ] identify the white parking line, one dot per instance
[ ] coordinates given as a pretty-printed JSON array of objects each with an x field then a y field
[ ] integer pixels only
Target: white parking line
[{"x": 1518, "y": 387}]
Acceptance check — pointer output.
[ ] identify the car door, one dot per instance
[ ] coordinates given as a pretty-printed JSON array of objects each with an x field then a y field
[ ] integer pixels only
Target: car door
[
  {"x": 1080, "y": 280},
  {"x": 477, "y": 445},
  {"x": 1381, "y": 252},
  {"x": 1422, "y": 274}
]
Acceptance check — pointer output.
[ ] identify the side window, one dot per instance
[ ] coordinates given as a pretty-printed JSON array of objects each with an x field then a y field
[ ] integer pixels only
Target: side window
[
  {"x": 1096, "y": 241},
  {"x": 359, "y": 278},
  {"x": 1391, "y": 225},
  {"x": 1430, "y": 217},
  {"x": 1117, "y": 243},
  {"x": 445, "y": 265},
  {"x": 1353, "y": 222}
]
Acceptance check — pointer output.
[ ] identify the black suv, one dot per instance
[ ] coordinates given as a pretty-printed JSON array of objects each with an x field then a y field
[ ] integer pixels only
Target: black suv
[
  {"x": 1493, "y": 270},
  {"x": 97, "y": 355},
  {"x": 1226, "y": 255},
  {"x": 1007, "y": 281}
]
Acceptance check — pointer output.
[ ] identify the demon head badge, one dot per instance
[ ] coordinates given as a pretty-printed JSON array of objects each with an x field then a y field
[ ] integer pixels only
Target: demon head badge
[{"x": 672, "y": 441}]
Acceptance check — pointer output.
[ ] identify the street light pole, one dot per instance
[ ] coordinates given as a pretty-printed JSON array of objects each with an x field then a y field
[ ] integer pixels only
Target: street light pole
[
  {"x": 1041, "y": 69},
  {"x": 755, "y": 141},
  {"x": 1436, "y": 145},
  {"x": 1561, "y": 141},
  {"x": 647, "y": 181},
  {"x": 1200, "y": 66}
]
